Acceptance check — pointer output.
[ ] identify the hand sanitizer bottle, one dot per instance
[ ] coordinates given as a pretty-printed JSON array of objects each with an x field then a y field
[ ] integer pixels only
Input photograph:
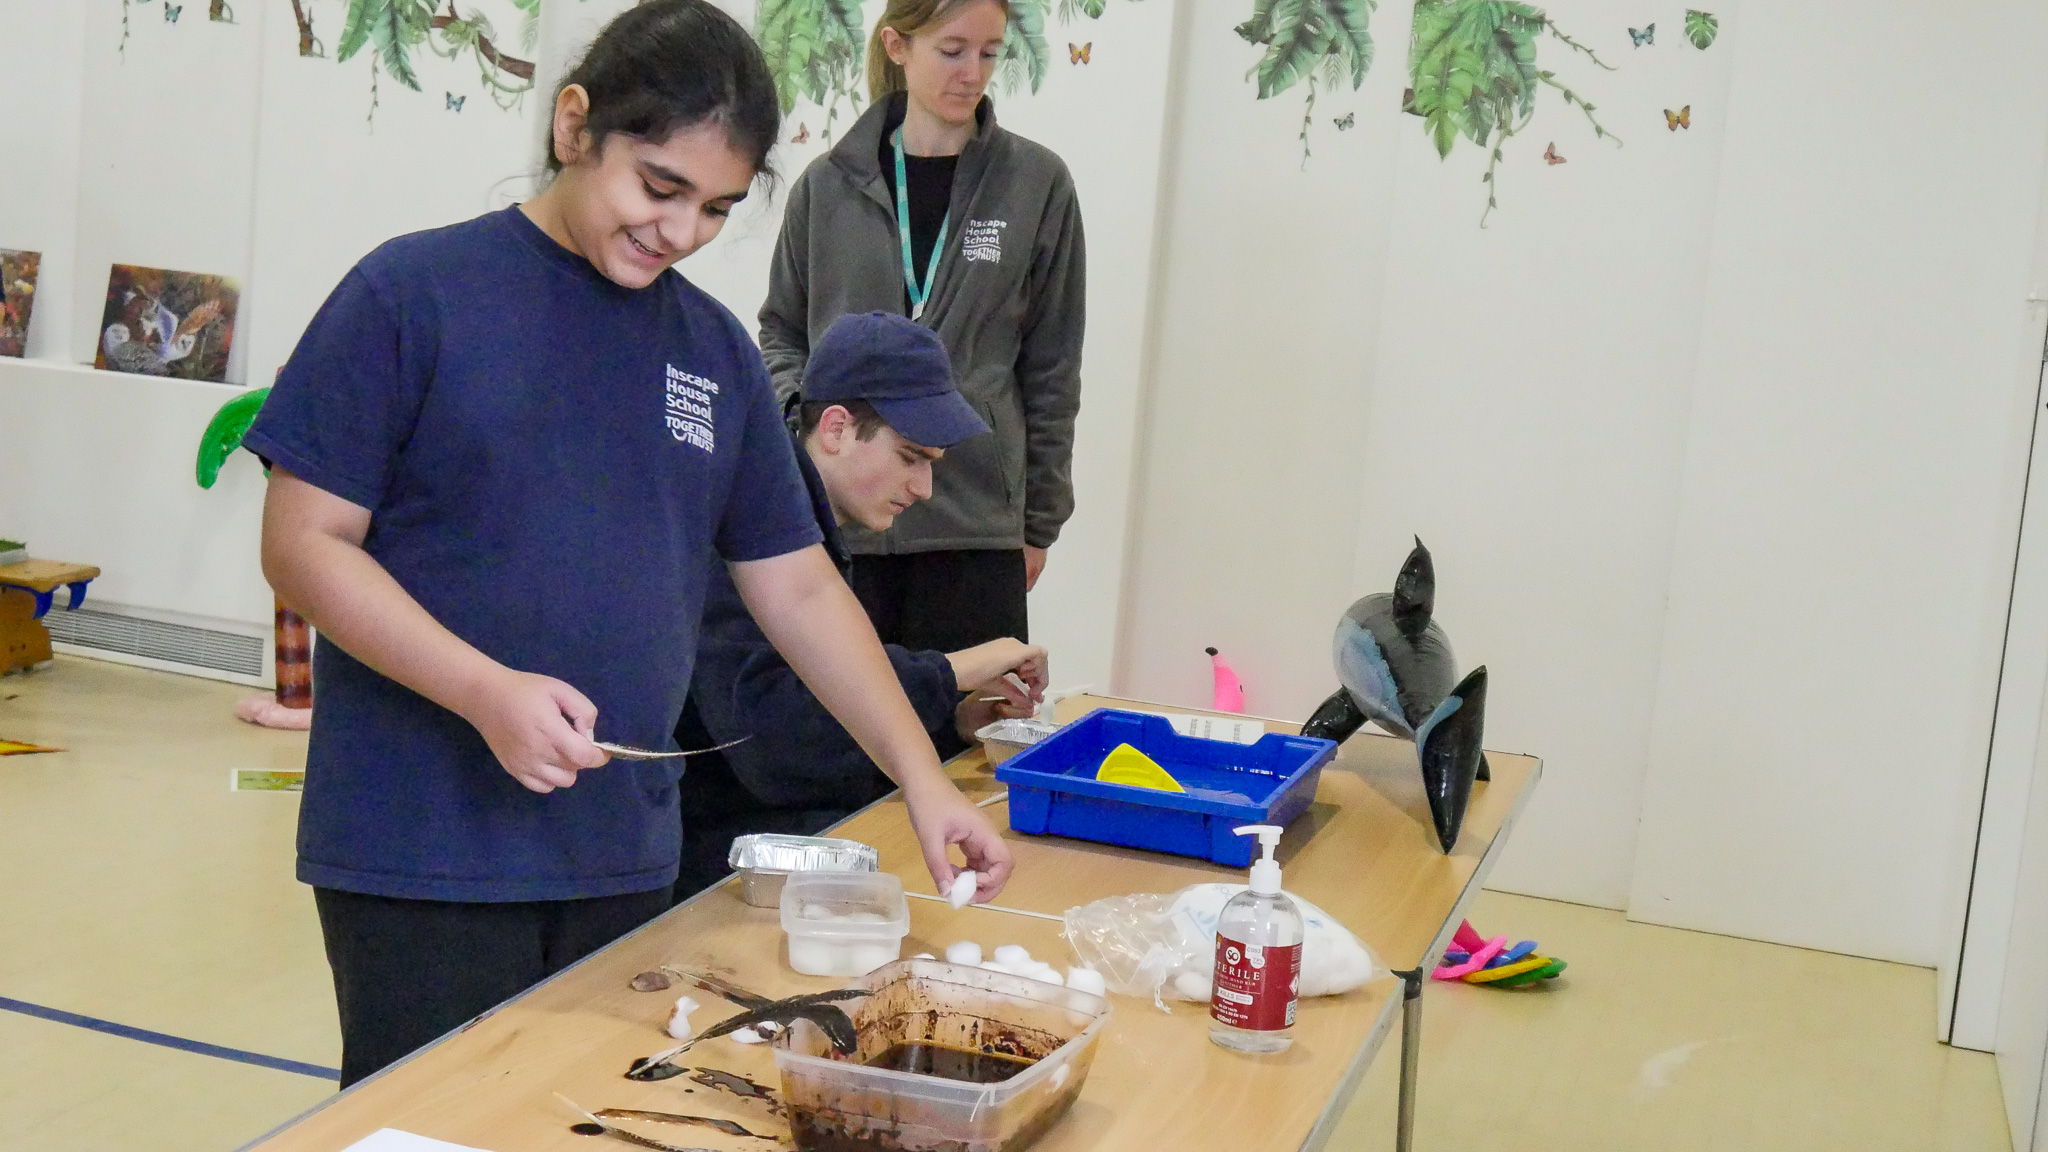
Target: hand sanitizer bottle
[{"x": 1258, "y": 959}]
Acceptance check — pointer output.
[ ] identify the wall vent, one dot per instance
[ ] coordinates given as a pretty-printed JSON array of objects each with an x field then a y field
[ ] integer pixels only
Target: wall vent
[{"x": 199, "y": 649}]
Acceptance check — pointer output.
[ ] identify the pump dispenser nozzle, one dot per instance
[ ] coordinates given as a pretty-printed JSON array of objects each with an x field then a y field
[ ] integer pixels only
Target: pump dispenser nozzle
[{"x": 1265, "y": 870}]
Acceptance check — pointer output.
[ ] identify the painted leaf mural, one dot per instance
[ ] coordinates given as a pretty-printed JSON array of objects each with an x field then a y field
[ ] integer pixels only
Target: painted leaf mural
[
  {"x": 394, "y": 31},
  {"x": 1323, "y": 42},
  {"x": 1473, "y": 73},
  {"x": 1701, "y": 28},
  {"x": 1025, "y": 58},
  {"x": 815, "y": 50}
]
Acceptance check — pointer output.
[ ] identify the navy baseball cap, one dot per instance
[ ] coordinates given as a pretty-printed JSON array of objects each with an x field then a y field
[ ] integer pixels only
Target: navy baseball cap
[{"x": 901, "y": 368}]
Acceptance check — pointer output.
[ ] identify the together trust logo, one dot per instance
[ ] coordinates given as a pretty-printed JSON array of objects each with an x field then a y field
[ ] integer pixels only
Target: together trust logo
[{"x": 689, "y": 408}]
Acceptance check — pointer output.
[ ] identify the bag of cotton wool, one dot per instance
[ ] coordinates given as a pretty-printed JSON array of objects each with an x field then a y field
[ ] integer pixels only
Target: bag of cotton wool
[{"x": 1163, "y": 945}]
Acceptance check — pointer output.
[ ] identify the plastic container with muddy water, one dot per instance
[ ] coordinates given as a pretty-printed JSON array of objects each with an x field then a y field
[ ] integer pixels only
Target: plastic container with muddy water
[{"x": 994, "y": 1060}]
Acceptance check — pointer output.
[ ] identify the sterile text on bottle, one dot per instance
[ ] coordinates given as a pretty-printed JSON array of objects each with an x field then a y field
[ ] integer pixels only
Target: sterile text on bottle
[{"x": 1255, "y": 986}]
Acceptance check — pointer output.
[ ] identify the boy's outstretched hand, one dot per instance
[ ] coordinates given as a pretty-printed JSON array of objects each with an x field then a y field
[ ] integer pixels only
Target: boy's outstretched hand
[
  {"x": 942, "y": 817},
  {"x": 539, "y": 728}
]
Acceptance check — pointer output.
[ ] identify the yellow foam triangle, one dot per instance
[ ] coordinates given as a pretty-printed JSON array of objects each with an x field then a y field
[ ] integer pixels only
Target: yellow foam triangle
[{"x": 1127, "y": 765}]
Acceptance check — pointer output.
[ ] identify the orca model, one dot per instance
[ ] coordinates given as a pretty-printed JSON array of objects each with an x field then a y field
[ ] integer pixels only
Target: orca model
[{"x": 1397, "y": 671}]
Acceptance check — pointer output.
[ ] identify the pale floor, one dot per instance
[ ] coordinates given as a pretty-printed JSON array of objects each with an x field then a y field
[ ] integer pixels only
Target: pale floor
[{"x": 139, "y": 889}]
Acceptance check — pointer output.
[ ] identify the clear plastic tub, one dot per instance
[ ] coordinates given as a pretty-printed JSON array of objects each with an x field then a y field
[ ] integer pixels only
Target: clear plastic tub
[
  {"x": 844, "y": 923},
  {"x": 841, "y": 1104}
]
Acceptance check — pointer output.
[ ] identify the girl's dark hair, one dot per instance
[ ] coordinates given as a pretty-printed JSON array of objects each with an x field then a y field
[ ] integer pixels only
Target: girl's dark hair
[{"x": 664, "y": 65}]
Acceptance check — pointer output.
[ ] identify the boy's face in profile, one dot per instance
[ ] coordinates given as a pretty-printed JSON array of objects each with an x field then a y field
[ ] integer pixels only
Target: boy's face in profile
[{"x": 869, "y": 482}]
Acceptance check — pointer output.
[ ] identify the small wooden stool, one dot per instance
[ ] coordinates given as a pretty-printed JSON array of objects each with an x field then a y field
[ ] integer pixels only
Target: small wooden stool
[{"x": 27, "y": 590}]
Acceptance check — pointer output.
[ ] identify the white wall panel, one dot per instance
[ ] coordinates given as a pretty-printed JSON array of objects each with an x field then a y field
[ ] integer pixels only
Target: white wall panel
[
  {"x": 1843, "y": 533},
  {"x": 1267, "y": 314},
  {"x": 1529, "y": 416},
  {"x": 42, "y": 51},
  {"x": 167, "y": 148}
]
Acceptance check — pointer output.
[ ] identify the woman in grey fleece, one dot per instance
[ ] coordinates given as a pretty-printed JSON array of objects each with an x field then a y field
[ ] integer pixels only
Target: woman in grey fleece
[{"x": 992, "y": 260}]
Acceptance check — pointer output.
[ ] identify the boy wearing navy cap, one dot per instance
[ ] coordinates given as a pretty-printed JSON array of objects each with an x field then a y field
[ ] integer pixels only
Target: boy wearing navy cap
[{"x": 878, "y": 407}]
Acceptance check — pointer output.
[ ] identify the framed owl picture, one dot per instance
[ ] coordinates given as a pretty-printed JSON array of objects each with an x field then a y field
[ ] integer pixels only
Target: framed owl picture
[
  {"x": 17, "y": 298},
  {"x": 163, "y": 323}
]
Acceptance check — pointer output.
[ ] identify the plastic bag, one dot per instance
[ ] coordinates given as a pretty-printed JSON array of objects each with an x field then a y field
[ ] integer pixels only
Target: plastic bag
[{"x": 1163, "y": 945}]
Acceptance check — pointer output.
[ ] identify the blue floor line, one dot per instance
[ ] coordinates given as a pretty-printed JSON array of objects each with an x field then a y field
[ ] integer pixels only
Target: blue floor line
[{"x": 178, "y": 1042}]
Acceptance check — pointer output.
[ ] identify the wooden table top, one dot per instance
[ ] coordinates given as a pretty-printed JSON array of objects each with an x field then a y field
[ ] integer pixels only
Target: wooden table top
[
  {"x": 1364, "y": 852},
  {"x": 45, "y": 575}
]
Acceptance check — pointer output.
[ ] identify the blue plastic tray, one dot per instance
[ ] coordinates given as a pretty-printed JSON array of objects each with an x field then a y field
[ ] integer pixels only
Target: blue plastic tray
[{"x": 1053, "y": 789}]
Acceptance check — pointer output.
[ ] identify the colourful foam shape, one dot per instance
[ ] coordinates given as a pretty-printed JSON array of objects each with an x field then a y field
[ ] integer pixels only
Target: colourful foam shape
[
  {"x": 1478, "y": 961},
  {"x": 1127, "y": 765},
  {"x": 1489, "y": 975},
  {"x": 1467, "y": 938},
  {"x": 1547, "y": 972}
]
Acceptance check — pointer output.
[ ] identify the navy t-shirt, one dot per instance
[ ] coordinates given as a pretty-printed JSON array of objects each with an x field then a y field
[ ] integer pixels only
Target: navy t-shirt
[{"x": 551, "y": 462}]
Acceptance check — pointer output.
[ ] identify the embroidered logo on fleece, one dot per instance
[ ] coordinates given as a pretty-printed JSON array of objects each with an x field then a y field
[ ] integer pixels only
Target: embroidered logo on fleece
[
  {"x": 983, "y": 240},
  {"x": 689, "y": 408}
]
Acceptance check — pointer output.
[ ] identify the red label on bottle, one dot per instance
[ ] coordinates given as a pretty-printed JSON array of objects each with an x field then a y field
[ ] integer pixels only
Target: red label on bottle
[{"x": 1255, "y": 986}]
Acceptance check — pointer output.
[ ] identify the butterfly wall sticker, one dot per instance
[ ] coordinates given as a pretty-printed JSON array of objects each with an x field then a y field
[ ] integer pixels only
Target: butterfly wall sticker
[
  {"x": 1078, "y": 53},
  {"x": 1345, "y": 121},
  {"x": 1644, "y": 36},
  {"x": 803, "y": 134},
  {"x": 455, "y": 102},
  {"x": 1550, "y": 155},
  {"x": 1679, "y": 119},
  {"x": 172, "y": 12}
]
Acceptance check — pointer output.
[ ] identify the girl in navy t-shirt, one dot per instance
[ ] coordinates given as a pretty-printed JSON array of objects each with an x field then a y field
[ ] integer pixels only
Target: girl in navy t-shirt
[{"x": 505, "y": 453}]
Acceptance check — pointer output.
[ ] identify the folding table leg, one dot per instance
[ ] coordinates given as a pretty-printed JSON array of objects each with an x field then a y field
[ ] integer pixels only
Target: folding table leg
[{"x": 1411, "y": 1055}]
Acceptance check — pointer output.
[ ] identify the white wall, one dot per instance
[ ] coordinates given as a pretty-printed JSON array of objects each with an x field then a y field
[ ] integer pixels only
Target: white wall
[
  {"x": 1530, "y": 413},
  {"x": 42, "y": 50},
  {"x": 1268, "y": 303},
  {"x": 166, "y": 147},
  {"x": 1716, "y": 439},
  {"x": 2022, "y": 1028},
  {"x": 331, "y": 185},
  {"x": 1845, "y": 527}
]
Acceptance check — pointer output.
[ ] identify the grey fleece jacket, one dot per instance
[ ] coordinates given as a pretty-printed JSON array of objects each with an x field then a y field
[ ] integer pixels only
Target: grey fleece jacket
[{"x": 1008, "y": 301}]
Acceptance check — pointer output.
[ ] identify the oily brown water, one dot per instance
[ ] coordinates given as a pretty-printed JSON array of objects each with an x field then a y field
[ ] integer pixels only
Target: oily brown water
[{"x": 950, "y": 1063}]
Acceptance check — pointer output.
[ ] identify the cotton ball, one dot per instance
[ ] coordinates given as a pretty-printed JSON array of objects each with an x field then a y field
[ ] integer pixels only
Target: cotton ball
[
  {"x": 924, "y": 956},
  {"x": 816, "y": 912},
  {"x": 866, "y": 918},
  {"x": 1046, "y": 972},
  {"x": 966, "y": 952},
  {"x": 1013, "y": 956},
  {"x": 679, "y": 1018},
  {"x": 962, "y": 890},
  {"x": 747, "y": 1036},
  {"x": 1086, "y": 980},
  {"x": 1192, "y": 986}
]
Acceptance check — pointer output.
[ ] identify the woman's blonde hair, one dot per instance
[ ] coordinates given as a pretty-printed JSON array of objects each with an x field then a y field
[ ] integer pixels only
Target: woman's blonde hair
[{"x": 909, "y": 18}]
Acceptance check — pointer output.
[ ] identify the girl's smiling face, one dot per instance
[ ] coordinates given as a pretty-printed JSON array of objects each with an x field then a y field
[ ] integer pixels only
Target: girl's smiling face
[
  {"x": 947, "y": 68},
  {"x": 633, "y": 207}
]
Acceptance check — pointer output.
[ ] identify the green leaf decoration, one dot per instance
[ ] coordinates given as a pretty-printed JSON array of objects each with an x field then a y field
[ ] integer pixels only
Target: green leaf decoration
[
  {"x": 1701, "y": 28},
  {"x": 224, "y": 433},
  {"x": 1302, "y": 36},
  {"x": 355, "y": 27},
  {"x": 1024, "y": 57},
  {"x": 814, "y": 49},
  {"x": 1473, "y": 73}
]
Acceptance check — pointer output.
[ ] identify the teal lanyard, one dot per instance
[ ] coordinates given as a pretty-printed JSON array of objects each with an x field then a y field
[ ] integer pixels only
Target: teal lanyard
[{"x": 917, "y": 295}]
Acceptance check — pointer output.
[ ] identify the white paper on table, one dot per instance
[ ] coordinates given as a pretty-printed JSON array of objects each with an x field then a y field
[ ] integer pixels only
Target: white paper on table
[
  {"x": 1231, "y": 730},
  {"x": 393, "y": 1140}
]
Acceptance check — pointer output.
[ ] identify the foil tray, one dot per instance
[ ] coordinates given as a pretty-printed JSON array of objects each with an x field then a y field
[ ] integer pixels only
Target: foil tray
[{"x": 764, "y": 860}]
